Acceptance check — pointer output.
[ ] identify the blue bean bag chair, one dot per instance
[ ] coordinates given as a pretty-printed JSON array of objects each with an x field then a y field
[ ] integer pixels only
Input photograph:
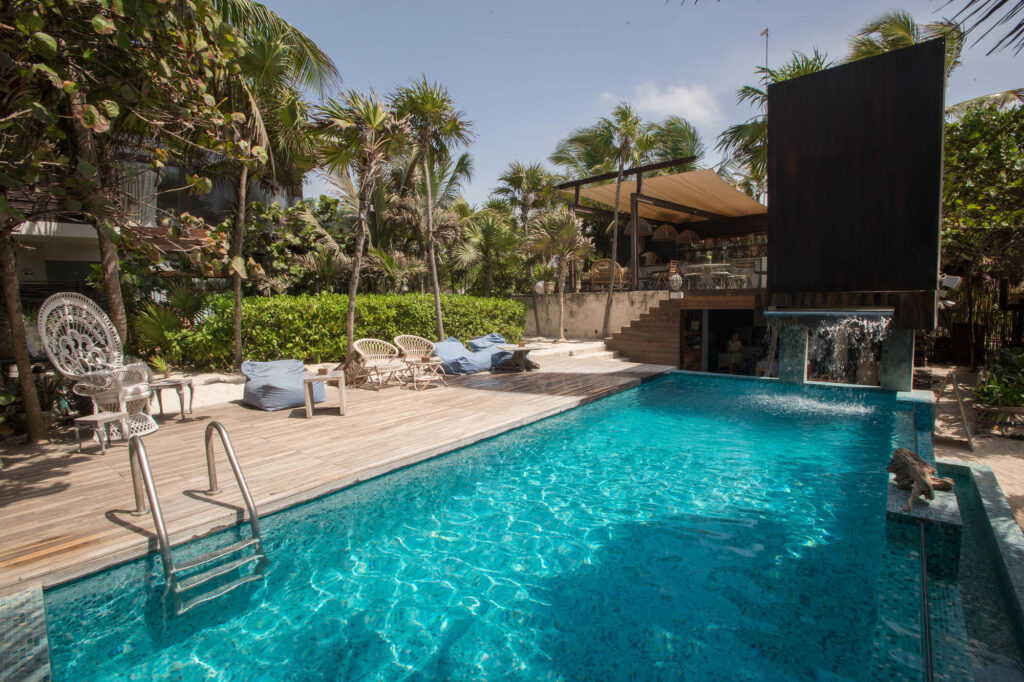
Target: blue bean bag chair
[
  {"x": 457, "y": 359},
  {"x": 277, "y": 385}
]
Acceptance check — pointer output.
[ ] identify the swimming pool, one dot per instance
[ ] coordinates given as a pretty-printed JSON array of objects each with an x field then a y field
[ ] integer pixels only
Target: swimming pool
[{"x": 695, "y": 526}]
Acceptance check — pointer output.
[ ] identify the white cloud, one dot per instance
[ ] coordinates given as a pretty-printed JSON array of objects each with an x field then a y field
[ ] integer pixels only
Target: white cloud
[{"x": 694, "y": 103}]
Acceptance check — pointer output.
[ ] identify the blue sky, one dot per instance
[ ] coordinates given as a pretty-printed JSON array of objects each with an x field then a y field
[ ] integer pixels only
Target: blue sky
[{"x": 527, "y": 73}]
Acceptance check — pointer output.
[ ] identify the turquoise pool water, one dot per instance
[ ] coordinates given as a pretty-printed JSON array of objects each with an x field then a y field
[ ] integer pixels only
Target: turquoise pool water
[{"x": 694, "y": 527}]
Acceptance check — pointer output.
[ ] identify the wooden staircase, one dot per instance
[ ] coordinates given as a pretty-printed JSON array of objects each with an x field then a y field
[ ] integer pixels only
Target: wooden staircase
[
  {"x": 654, "y": 337},
  {"x": 651, "y": 338}
]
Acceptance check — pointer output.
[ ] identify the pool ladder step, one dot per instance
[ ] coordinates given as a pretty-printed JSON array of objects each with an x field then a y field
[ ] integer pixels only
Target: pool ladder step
[{"x": 145, "y": 491}]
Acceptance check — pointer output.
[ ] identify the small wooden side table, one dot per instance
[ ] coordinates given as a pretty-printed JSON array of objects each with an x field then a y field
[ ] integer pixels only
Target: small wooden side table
[
  {"x": 307, "y": 386},
  {"x": 100, "y": 423},
  {"x": 178, "y": 384},
  {"x": 518, "y": 362},
  {"x": 423, "y": 371}
]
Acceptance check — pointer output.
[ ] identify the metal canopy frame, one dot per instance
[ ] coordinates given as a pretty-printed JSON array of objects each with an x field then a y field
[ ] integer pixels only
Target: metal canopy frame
[{"x": 635, "y": 199}]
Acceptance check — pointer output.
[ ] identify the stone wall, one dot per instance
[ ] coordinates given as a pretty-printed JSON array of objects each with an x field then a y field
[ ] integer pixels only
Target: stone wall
[{"x": 584, "y": 313}]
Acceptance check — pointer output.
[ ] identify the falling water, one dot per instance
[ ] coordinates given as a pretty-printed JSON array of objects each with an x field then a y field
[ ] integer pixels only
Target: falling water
[{"x": 846, "y": 349}]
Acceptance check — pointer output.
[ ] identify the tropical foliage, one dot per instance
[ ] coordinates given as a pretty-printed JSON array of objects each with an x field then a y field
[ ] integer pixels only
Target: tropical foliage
[{"x": 312, "y": 328}]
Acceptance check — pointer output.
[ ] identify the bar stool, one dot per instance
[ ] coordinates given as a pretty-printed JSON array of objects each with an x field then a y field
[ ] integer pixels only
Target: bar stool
[
  {"x": 738, "y": 281},
  {"x": 720, "y": 279},
  {"x": 693, "y": 280}
]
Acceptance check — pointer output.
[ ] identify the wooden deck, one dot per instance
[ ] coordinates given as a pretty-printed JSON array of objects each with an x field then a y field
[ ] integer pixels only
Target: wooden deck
[{"x": 65, "y": 514}]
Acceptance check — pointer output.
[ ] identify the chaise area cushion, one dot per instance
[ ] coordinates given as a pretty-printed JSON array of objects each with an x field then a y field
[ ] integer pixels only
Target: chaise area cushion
[
  {"x": 457, "y": 359},
  {"x": 277, "y": 385}
]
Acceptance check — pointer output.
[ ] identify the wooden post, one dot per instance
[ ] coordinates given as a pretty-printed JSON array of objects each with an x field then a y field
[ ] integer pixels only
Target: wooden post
[{"x": 634, "y": 210}]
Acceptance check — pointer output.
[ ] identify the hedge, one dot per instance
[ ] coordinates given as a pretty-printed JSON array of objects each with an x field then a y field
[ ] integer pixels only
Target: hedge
[{"x": 312, "y": 328}]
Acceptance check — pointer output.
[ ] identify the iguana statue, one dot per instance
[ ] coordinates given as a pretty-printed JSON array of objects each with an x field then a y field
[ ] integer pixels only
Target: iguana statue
[{"x": 916, "y": 475}]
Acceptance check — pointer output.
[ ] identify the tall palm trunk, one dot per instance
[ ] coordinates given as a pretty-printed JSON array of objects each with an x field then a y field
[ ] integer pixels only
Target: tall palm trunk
[
  {"x": 488, "y": 276},
  {"x": 353, "y": 289},
  {"x": 16, "y": 321},
  {"x": 430, "y": 245},
  {"x": 237, "y": 243},
  {"x": 561, "y": 298},
  {"x": 615, "y": 254},
  {"x": 98, "y": 205}
]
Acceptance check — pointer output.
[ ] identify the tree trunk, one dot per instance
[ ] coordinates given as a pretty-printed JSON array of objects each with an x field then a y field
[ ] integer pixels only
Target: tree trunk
[
  {"x": 561, "y": 298},
  {"x": 615, "y": 254},
  {"x": 98, "y": 203},
  {"x": 353, "y": 289},
  {"x": 488, "y": 277},
  {"x": 12, "y": 299},
  {"x": 237, "y": 243},
  {"x": 112, "y": 283},
  {"x": 430, "y": 246}
]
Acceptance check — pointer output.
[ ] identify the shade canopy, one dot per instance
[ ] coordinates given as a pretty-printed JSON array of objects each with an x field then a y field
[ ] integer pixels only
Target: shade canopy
[{"x": 702, "y": 190}]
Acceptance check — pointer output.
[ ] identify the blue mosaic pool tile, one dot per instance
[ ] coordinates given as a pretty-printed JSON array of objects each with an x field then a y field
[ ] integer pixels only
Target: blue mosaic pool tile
[
  {"x": 897, "y": 647},
  {"x": 950, "y": 658},
  {"x": 24, "y": 647},
  {"x": 942, "y": 525}
]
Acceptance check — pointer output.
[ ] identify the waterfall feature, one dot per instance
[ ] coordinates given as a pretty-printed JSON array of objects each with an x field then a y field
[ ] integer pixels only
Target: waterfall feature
[
  {"x": 847, "y": 349},
  {"x": 844, "y": 346}
]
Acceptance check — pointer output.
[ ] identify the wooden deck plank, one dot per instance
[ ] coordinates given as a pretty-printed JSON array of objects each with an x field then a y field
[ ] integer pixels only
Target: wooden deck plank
[{"x": 66, "y": 514}]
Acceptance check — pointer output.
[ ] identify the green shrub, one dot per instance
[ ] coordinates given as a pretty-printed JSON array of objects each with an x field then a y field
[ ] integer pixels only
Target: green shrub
[
  {"x": 312, "y": 328},
  {"x": 1005, "y": 384}
]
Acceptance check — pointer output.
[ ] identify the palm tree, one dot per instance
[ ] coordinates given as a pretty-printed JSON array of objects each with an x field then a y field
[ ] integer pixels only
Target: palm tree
[
  {"x": 361, "y": 133},
  {"x": 307, "y": 63},
  {"x": 393, "y": 270},
  {"x": 436, "y": 125},
  {"x": 675, "y": 138},
  {"x": 489, "y": 243},
  {"x": 625, "y": 130},
  {"x": 999, "y": 12},
  {"x": 525, "y": 187},
  {"x": 746, "y": 144},
  {"x": 897, "y": 29},
  {"x": 274, "y": 65},
  {"x": 559, "y": 237}
]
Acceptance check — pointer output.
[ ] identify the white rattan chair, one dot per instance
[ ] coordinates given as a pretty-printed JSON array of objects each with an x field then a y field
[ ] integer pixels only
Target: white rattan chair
[
  {"x": 414, "y": 347},
  {"x": 379, "y": 363},
  {"x": 83, "y": 345}
]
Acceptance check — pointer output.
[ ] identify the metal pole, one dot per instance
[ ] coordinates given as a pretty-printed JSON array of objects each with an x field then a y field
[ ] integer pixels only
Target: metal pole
[
  {"x": 137, "y": 483},
  {"x": 137, "y": 451},
  {"x": 237, "y": 469}
]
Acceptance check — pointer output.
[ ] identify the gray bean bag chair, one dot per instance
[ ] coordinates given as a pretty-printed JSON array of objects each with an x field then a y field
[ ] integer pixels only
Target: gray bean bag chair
[
  {"x": 277, "y": 385},
  {"x": 457, "y": 359}
]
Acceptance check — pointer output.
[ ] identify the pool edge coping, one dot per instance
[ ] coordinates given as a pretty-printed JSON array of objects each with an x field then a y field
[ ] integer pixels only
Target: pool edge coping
[{"x": 1005, "y": 535}]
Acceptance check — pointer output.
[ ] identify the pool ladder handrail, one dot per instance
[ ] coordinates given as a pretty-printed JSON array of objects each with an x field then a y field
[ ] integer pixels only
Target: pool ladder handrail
[{"x": 145, "y": 491}]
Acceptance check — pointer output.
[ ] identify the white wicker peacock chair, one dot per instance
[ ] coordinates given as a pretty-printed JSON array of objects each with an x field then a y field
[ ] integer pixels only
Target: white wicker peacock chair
[
  {"x": 83, "y": 344},
  {"x": 414, "y": 347},
  {"x": 379, "y": 363}
]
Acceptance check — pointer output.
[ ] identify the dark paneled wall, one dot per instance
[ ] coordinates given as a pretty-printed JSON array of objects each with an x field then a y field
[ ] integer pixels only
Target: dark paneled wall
[{"x": 855, "y": 175}]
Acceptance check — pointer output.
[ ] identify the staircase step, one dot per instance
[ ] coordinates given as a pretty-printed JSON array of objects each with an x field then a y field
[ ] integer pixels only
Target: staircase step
[
  {"x": 206, "y": 576},
  {"x": 214, "y": 593},
  {"x": 214, "y": 555}
]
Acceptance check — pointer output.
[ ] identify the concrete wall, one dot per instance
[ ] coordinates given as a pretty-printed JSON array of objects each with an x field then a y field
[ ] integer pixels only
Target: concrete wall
[{"x": 584, "y": 313}]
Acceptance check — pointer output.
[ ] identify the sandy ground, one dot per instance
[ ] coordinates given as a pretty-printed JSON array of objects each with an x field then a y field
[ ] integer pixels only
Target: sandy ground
[{"x": 1003, "y": 452}]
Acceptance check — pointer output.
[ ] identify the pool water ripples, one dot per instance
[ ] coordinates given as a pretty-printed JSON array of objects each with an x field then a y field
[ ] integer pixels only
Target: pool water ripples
[{"x": 693, "y": 527}]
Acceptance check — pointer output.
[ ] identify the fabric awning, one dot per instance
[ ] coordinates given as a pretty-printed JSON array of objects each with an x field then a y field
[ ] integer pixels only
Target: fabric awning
[{"x": 700, "y": 189}]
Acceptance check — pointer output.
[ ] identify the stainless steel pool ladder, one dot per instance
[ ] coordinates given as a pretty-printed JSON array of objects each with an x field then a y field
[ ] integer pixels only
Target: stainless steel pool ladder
[{"x": 142, "y": 481}]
